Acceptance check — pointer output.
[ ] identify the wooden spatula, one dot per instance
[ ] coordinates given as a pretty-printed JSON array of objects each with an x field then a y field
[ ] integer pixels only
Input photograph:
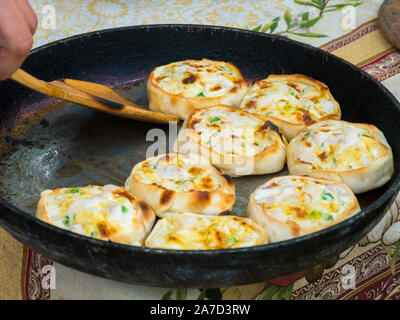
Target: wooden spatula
[{"x": 92, "y": 95}]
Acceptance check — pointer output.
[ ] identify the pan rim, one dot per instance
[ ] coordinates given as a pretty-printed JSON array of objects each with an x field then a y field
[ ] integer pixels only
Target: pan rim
[{"x": 385, "y": 196}]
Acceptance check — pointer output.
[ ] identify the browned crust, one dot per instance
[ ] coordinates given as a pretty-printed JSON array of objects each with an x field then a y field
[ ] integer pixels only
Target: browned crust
[
  {"x": 190, "y": 103},
  {"x": 325, "y": 92},
  {"x": 376, "y": 136},
  {"x": 164, "y": 200},
  {"x": 296, "y": 229},
  {"x": 280, "y": 141}
]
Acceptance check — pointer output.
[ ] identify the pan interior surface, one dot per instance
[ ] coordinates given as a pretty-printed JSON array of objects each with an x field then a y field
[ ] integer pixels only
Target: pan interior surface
[{"x": 45, "y": 144}]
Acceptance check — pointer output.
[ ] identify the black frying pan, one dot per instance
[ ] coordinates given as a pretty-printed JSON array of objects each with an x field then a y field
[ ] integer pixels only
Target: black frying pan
[{"x": 47, "y": 144}]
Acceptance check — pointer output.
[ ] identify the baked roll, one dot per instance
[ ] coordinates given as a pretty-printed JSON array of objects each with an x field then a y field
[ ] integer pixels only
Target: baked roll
[
  {"x": 354, "y": 153},
  {"x": 236, "y": 141},
  {"x": 188, "y": 231},
  {"x": 291, "y": 102},
  {"x": 292, "y": 206},
  {"x": 180, "y": 87},
  {"x": 106, "y": 213},
  {"x": 178, "y": 182}
]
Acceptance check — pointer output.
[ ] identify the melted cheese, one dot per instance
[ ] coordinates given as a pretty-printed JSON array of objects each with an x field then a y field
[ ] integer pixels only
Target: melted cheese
[
  {"x": 337, "y": 146},
  {"x": 201, "y": 78},
  {"x": 178, "y": 172},
  {"x": 290, "y": 100},
  {"x": 308, "y": 202},
  {"x": 232, "y": 131},
  {"x": 190, "y": 231},
  {"x": 93, "y": 211}
]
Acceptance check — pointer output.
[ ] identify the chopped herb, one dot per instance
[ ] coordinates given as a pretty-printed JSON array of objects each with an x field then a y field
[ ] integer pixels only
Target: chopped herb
[
  {"x": 286, "y": 107},
  {"x": 322, "y": 144},
  {"x": 291, "y": 92},
  {"x": 182, "y": 181},
  {"x": 329, "y": 217},
  {"x": 315, "y": 215},
  {"x": 215, "y": 119},
  {"x": 231, "y": 241},
  {"x": 93, "y": 234},
  {"x": 350, "y": 166},
  {"x": 327, "y": 196},
  {"x": 302, "y": 92},
  {"x": 334, "y": 161},
  {"x": 66, "y": 221},
  {"x": 124, "y": 209},
  {"x": 308, "y": 134},
  {"x": 201, "y": 94},
  {"x": 73, "y": 190}
]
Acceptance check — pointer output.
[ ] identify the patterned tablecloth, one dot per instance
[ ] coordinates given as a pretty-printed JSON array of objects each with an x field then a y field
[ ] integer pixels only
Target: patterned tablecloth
[{"x": 369, "y": 270}]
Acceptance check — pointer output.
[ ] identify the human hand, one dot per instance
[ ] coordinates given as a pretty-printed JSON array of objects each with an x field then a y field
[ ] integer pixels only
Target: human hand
[{"x": 18, "y": 23}]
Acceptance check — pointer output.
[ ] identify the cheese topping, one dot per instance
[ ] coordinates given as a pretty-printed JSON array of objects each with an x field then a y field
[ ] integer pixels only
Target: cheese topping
[
  {"x": 93, "y": 211},
  {"x": 289, "y": 100},
  {"x": 198, "y": 78},
  {"x": 232, "y": 132},
  {"x": 178, "y": 172},
  {"x": 189, "y": 231},
  {"x": 306, "y": 201},
  {"x": 337, "y": 146}
]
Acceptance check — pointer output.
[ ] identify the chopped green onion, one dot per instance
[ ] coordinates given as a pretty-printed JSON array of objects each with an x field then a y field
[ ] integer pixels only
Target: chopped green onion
[
  {"x": 286, "y": 107},
  {"x": 214, "y": 119},
  {"x": 73, "y": 190},
  {"x": 315, "y": 215},
  {"x": 231, "y": 241},
  {"x": 66, "y": 221},
  {"x": 329, "y": 217},
  {"x": 201, "y": 94},
  {"x": 327, "y": 196},
  {"x": 124, "y": 209},
  {"x": 308, "y": 134}
]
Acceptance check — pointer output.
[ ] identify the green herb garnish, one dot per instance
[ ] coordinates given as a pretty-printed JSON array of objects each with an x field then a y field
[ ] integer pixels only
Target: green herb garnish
[
  {"x": 201, "y": 94},
  {"x": 93, "y": 234},
  {"x": 73, "y": 190},
  {"x": 66, "y": 221},
  {"x": 124, "y": 209},
  {"x": 286, "y": 107},
  {"x": 308, "y": 134},
  {"x": 231, "y": 241},
  {"x": 215, "y": 119},
  {"x": 327, "y": 196},
  {"x": 315, "y": 215},
  {"x": 329, "y": 217}
]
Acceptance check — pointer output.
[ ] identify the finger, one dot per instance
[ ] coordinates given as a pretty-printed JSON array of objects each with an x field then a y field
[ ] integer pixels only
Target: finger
[
  {"x": 15, "y": 38},
  {"x": 28, "y": 13}
]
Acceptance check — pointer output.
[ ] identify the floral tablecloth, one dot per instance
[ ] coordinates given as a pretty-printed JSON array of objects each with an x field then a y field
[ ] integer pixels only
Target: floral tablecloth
[{"x": 369, "y": 270}]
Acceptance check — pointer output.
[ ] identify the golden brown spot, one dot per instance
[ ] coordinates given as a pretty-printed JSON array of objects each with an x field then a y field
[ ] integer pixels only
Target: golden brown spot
[
  {"x": 294, "y": 86},
  {"x": 158, "y": 79},
  {"x": 294, "y": 227},
  {"x": 308, "y": 144},
  {"x": 272, "y": 184},
  {"x": 206, "y": 183},
  {"x": 104, "y": 230},
  {"x": 234, "y": 89},
  {"x": 192, "y": 78},
  {"x": 250, "y": 104},
  {"x": 307, "y": 118},
  {"x": 265, "y": 84},
  {"x": 125, "y": 194},
  {"x": 195, "y": 171},
  {"x": 217, "y": 87},
  {"x": 166, "y": 196},
  {"x": 323, "y": 156},
  {"x": 145, "y": 208}
]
